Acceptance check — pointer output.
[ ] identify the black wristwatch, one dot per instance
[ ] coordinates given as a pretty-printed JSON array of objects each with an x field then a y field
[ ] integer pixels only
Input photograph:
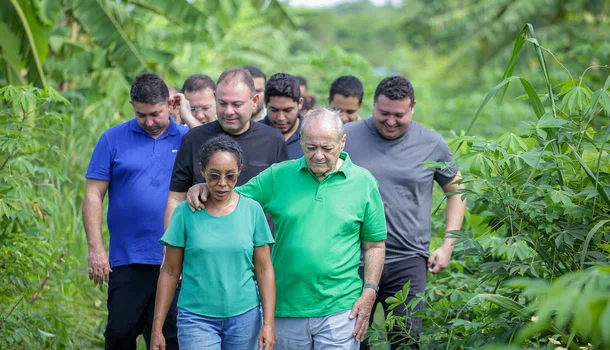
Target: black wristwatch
[{"x": 372, "y": 286}]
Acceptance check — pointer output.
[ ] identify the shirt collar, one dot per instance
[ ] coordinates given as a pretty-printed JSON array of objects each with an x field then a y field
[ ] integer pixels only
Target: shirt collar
[{"x": 345, "y": 168}]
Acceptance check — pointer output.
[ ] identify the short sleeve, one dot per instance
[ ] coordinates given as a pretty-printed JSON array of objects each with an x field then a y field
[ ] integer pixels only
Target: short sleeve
[
  {"x": 182, "y": 175},
  {"x": 175, "y": 235},
  {"x": 374, "y": 227},
  {"x": 259, "y": 188},
  {"x": 262, "y": 233},
  {"x": 100, "y": 165},
  {"x": 283, "y": 153},
  {"x": 444, "y": 176}
]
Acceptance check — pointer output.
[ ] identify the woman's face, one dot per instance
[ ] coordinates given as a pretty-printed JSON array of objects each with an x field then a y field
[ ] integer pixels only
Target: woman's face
[{"x": 221, "y": 174}]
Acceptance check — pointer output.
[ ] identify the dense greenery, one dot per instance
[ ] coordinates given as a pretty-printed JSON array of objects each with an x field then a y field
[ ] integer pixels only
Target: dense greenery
[{"x": 532, "y": 261}]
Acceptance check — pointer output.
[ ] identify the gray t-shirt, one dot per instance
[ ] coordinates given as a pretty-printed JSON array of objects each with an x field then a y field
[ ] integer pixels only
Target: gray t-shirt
[{"x": 405, "y": 186}]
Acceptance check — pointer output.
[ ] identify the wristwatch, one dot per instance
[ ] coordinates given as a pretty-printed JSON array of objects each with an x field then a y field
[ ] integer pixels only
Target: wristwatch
[{"x": 372, "y": 286}]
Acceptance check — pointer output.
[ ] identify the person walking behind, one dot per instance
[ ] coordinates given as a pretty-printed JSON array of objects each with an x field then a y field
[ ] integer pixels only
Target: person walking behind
[{"x": 219, "y": 251}]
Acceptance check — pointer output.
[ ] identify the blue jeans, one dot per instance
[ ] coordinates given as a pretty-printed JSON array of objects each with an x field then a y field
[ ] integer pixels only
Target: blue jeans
[{"x": 239, "y": 332}]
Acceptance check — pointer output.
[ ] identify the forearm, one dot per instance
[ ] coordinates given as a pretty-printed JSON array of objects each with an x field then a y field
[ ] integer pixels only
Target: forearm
[
  {"x": 173, "y": 199},
  {"x": 454, "y": 215},
  {"x": 374, "y": 258},
  {"x": 190, "y": 120},
  {"x": 266, "y": 286},
  {"x": 92, "y": 220},
  {"x": 166, "y": 288}
]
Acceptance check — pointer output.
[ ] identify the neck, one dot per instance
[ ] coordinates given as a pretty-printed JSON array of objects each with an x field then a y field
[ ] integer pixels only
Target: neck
[
  {"x": 215, "y": 203},
  {"x": 335, "y": 168},
  {"x": 291, "y": 132},
  {"x": 243, "y": 130},
  {"x": 258, "y": 116}
]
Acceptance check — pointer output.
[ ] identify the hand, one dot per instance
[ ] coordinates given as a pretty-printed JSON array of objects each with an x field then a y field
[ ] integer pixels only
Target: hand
[
  {"x": 266, "y": 338},
  {"x": 183, "y": 105},
  {"x": 196, "y": 196},
  {"x": 362, "y": 310},
  {"x": 157, "y": 341},
  {"x": 99, "y": 267},
  {"x": 439, "y": 259}
]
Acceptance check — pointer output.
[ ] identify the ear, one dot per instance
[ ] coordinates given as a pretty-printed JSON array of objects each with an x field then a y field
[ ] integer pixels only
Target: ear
[
  {"x": 342, "y": 142},
  {"x": 201, "y": 169},
  {"x": 255, "y": 99},
  {"x": 300, "y": 104}
]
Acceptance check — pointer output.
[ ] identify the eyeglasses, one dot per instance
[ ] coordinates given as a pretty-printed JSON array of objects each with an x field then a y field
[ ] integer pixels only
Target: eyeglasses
[
  {"x": 215, "y": 177},
  {"x": 200, "y": 108}
]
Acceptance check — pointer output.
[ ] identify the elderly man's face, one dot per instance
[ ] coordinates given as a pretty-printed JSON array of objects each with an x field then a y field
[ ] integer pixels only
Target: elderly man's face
[{"x": 322, "y": 147}]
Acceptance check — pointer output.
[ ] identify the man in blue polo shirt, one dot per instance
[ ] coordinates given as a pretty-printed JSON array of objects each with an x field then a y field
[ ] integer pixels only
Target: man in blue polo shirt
[
  {"x": 132, "y": 162},
  {"x": 283, "y": 101}
]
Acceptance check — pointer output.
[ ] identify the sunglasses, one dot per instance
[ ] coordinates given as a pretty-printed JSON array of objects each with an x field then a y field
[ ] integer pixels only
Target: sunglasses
[{"x": 215, "y": 177}]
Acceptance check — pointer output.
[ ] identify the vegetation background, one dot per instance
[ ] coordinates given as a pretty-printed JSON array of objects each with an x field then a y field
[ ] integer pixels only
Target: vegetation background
[{"x": 526, "y": 113}]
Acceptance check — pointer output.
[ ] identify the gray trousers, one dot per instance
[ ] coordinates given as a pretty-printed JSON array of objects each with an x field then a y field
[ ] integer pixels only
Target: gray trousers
[{"x": 332, "y": 332}]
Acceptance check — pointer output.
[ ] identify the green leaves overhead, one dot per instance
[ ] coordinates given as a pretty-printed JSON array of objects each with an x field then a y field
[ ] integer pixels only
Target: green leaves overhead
[
  {"x": 106, "y": 31},
  {"x": 180, "y": 12}
]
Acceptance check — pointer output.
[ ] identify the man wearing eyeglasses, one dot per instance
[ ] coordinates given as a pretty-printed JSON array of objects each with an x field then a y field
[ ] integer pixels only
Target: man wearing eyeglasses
[
  {"x": 236, "y": 100},
  {"x": 197, "y": 102}
]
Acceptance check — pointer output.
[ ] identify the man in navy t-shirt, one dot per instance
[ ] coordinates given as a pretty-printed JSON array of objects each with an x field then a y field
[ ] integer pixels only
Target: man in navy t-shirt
[
  {"x": 132, "y": 162},
  {"x": 283, "y": 100}
]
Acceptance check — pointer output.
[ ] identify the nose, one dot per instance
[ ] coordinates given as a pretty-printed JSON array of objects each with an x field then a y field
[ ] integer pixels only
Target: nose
[
  {"x": 390, "y": 122},
  {"x": 318, "y": 156},
  {"x": 222, "y": 182},
  {"x": 229, "y": 110},
  {"x": 149, "y": 122},
  {"x": 281, "y": 117}
]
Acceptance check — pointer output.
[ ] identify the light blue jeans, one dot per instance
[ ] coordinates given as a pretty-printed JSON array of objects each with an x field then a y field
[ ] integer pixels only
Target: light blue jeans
[
  {"x": 197, "y": 332},
  {"x": 319, "y": 333}
]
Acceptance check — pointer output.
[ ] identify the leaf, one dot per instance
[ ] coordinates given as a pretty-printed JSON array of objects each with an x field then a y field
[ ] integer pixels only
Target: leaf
[
  {"x": 106, "y": 31},
  {"x": 585, "y": 245},
  {"x": 548, "y": 121},
  {"x": 179, "y": 12},
  {"x": 32, "y": 35},
  {"x": 507, "y": 304},
  {"x": 46, "y": 334},
  {"x": 598, "y": 186}
]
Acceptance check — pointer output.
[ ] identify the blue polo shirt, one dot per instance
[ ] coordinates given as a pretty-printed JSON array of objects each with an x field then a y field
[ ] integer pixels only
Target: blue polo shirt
[
  {"x": 139, "y": 169},
  {"x": 293, "y": 144}
]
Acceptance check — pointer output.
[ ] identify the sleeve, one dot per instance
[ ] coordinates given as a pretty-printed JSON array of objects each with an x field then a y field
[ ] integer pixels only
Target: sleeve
[
  {"x": 182, "y": 175},
  {"x": 259, "y": 188},
  {"x": 176, "y": 231},
  {"x": 444, "y": 176},
  {"x": 262, "y": 233},
  {"x": 100, "y": 165},
  {"x": 374, "y": 227},
  {"x": 283, "y": 152}
]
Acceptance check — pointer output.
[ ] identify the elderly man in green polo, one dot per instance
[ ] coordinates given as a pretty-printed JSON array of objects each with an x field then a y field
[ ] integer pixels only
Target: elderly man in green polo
[{"x": 326, "y": 210}]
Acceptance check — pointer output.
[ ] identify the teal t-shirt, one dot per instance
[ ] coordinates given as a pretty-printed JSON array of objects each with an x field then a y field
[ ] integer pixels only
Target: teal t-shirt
[{"x": 218, "y": 267}]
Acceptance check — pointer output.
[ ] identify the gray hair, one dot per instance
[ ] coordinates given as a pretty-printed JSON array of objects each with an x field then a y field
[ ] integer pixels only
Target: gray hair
[{"x": 326, "y": 116}]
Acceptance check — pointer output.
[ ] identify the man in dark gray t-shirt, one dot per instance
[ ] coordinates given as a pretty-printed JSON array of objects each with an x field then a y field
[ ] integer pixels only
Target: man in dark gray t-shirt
[{"x": 392, "y": 147}]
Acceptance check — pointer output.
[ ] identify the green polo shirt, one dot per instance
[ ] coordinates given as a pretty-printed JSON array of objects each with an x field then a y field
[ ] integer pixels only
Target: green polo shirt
[{"x": 319, "y": 227}]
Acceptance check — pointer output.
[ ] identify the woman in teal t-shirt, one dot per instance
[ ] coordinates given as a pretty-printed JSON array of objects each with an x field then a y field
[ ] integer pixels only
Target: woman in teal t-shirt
[{"x": 218, "y": 251}]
